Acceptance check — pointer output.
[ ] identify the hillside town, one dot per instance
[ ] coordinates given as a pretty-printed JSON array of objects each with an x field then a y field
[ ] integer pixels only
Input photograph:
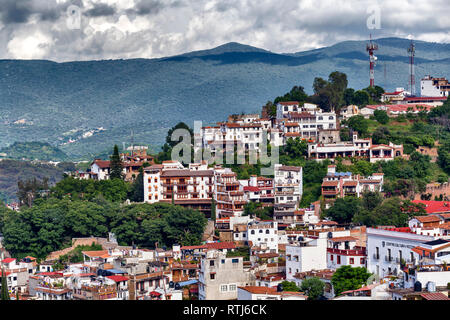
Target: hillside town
[{"x": 246, "y": 254}]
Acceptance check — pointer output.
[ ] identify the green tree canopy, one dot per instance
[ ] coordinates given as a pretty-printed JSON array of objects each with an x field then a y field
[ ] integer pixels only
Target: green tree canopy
[
  {"x": 347, "y": 278},
  {"x": 116, "y": 165},
  {"x": 313, "y": 288}
]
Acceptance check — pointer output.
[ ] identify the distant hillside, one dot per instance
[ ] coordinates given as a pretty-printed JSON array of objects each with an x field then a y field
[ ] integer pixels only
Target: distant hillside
[
  {"x": 11, "y": 171},
  {"x": 34, "y": 151},
  {"x": 86, "y": 107}
]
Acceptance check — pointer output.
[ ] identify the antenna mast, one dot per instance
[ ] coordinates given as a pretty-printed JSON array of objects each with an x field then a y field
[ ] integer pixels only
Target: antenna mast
[
  {"x": 371, "y": 47},
  {"x": 412, "y": 78}
]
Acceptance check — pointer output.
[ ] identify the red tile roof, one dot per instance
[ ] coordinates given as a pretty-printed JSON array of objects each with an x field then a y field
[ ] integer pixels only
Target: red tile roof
[
  {"x": 118, "y": 278},
  {"x": 8, "y": 260},
  {"x": 434, "y": 206},
  {"x": 342, "y": 239},
  {"x": 434, "y": 296},
  {"x": 427, "y": 218}
]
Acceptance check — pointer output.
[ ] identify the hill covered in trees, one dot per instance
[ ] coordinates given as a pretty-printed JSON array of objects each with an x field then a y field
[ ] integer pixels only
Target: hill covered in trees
[
  {"x": 85, "y": 107},
  {"x": 34, "y": 150}
]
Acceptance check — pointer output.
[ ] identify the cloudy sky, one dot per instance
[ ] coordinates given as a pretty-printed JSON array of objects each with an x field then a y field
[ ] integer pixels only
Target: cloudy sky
[{"x": 68, "y": 30}]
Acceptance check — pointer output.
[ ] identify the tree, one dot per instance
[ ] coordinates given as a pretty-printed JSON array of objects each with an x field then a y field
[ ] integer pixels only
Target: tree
[
  {"x": 213, "y": 209},
  {"x": 290, "y": 286},
  {"x": 295, "y": 148},
  {"x": 297, "y": 93},
  {"x": 116, "y": 165},
  {"x": 313, "y": 287},
  {"x": 381, "y": 116},
  {"x": 137, "y": 189},
  {"x": 349, "y": 96},
  {"x": 344, "y": 209},
  {"x": 358, "y": 123},
  {"x": 4, "y": 292},
  {"x": 361, "y": 98},
  {"x": 348, "y": 278}
]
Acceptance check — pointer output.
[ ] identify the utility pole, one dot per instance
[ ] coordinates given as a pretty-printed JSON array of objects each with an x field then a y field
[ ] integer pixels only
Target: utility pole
[
  {"x": 371, "y": 47},
  {"x": 412, "y": 78}
]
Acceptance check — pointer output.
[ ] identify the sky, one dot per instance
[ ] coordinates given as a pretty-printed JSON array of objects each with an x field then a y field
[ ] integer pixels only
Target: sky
[{"x": 75, "y": 30}]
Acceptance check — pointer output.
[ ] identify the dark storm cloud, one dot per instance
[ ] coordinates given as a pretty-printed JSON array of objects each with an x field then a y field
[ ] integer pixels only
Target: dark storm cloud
[
  {"x": 15, "y": 11},
  {"x": 101, "y": 10},
  {"x": 155, "y": 28}
]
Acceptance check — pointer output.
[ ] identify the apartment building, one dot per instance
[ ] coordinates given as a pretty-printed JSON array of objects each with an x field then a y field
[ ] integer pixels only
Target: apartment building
[
  {"x": 341, "y": 184},
  {"x": 288, "y": 190},
  {"x": 434, "y": 87},
  {"x": 220, "y": 277},
  {"x": 309, "y": 251},
  {"x": 169, "y": 182},
  {"x": 263, "y": 233},
  {"x": 228, "y": 193},
  {"x": 258, "y": 189}
]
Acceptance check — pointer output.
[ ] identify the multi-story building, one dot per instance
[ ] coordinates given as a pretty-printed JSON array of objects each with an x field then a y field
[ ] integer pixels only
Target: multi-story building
[
  {"x": 220, "y": 277},
  {"x": 288, "y": 190},
  {"x": 228, "y": 193},
  {"x": 341, "y": 184},
  {"x": 309, "y": 251},
  {"x": 343, "y": 251},
  {"x": 171, "y": 182},
  {"x": 258, "y": 189},
  {"x": 434, "y": 87},
  {"x": 362, "y": 148},
  {"x": 263, "y": 233},
  {"x": 386, "y": 248}
]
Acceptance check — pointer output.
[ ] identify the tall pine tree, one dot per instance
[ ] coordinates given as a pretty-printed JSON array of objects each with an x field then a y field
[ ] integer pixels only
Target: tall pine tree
[
  {"x": 116, "y": 165},
  {"x": 4, "y": 293}
]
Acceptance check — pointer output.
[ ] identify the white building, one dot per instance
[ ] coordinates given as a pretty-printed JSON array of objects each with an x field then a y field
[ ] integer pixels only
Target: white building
[
  {"x": 288, "y": 189},
  {"x": 264, "y": 233},
  {"x": 220, "y": 277},
  {"x": 387, "y": 247},
  {"x": 434, "y": 87},
  {"x": 309, "y": 252}
]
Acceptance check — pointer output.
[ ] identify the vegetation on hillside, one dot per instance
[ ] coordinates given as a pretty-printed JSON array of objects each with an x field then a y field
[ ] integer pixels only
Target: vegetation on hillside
[{"x": 34, "y": 151}]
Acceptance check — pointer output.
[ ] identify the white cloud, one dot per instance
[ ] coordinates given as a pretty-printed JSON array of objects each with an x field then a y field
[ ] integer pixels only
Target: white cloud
[{"x": 113, "y": 29}]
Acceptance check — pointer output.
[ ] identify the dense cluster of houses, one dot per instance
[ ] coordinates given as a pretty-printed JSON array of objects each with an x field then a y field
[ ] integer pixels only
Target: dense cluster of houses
[
  {"x": 248, "y": 260},
  {"x": 245, "y": 257}
]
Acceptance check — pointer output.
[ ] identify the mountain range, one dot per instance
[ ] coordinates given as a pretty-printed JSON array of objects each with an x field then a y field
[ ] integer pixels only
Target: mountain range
[{"x": 83, "y": 108}]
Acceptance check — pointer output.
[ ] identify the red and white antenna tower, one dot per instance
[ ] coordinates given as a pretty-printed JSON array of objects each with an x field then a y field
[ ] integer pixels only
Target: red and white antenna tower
[
  {"x": 412, "y": 78},
  {"x": 371, "y": 47}
]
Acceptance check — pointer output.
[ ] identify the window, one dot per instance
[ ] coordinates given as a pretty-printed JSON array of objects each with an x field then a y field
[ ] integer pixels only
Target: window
[
  {"x": 253, "y": 232},
  {"x": 338, "y": 260},
  {"x": 352, "y": 260},
  {"x": 223, "y": 288},
  {"x": 211, "y": 263},
  {"x": 223, "y": 261},
  {"x": 362, "y": 261},
  {"x": 235, "y": 260},
  {"x": 212, "y": 276},
  {"x": 267, "y": 231},
  {"x": 232, "y": 287},
  {"x": 331, "y": 257}
]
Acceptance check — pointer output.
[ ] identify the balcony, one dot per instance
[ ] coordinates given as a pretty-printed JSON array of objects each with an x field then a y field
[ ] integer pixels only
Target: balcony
[{"x": 347, "y": 252}]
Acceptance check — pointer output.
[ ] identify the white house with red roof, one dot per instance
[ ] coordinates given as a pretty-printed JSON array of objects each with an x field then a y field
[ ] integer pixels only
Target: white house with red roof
[
  {"x": 398, "y": 95},
  {"x": 343, "y": 251}
]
